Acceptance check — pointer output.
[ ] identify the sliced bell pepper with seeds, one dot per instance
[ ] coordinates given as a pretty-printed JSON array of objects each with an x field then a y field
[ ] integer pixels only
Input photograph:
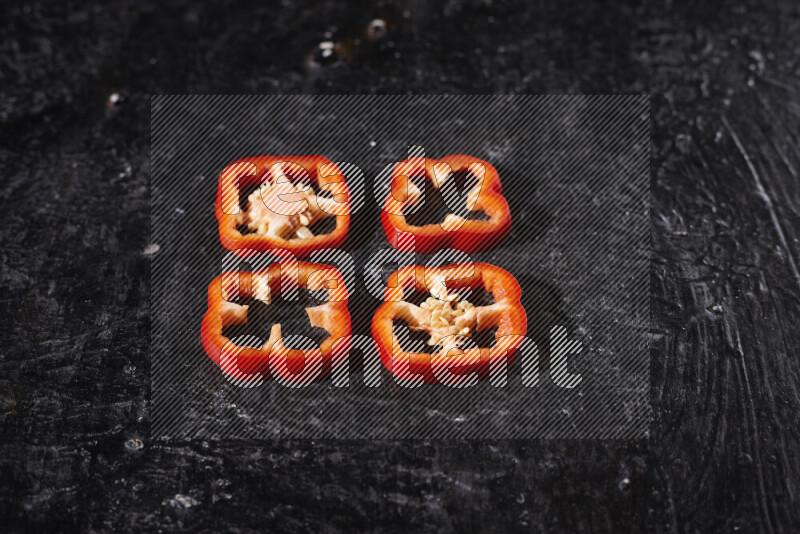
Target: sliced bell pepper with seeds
[
  {"x": 455, "y": 231},
  {"x": 247, "y": 363},
  {"x": 284, "y": 205},
  {"x": 448, "y": 319}
]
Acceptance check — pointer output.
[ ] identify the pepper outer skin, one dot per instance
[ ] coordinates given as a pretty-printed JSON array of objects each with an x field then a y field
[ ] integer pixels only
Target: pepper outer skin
[
  {"x": 248, "y": 172},
  {"x": 511, "y": 323},
  {"x": 252, "y": 364},
  {"x": 472, "y": 236}
]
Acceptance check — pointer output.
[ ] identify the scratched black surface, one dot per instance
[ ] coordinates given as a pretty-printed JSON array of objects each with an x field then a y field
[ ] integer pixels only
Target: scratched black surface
[{"x": 74, "y": 372}]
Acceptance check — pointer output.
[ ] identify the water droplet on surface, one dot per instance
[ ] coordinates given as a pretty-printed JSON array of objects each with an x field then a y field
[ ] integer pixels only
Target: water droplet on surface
[
  {"x": 114, "y": 99},
  {"x": 376, "y": 29},
  {"x": 151, "y": 249},
  {"x": 134, "y": 444},
  {"x": 325, "y": 54}
]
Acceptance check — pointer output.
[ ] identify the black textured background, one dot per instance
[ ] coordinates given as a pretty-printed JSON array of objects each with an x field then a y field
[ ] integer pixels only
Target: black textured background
[{"x": 74, "y": 370}]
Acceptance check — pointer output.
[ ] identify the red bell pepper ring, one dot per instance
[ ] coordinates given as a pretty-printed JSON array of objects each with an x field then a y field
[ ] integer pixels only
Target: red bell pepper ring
[
  {"x": 454, "y": 233},
  {"x": 286, "y": 206},
  {"x": 273, "y": 359},
  {"x": 506, "y": 314}
]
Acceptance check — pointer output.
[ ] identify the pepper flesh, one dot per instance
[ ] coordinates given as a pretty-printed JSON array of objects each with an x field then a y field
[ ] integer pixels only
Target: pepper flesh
[
  {"x": 454, "y": 232},
  {"x": 506, "y": 314},
  {"x": 283, "y": 207},
  {"x": 246, "y": 363}
]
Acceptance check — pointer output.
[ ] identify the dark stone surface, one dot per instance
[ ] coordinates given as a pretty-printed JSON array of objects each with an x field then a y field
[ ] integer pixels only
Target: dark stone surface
[{"x": 74, "y": 371}]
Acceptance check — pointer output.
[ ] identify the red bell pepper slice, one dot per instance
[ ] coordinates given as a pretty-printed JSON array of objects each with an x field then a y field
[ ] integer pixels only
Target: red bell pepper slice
[
  {"x": 466, "y": 235},
  {"x": 287, "y": 206},
  {"x": 252, "y": 364},
  {"x": 506, "y": 314}
]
